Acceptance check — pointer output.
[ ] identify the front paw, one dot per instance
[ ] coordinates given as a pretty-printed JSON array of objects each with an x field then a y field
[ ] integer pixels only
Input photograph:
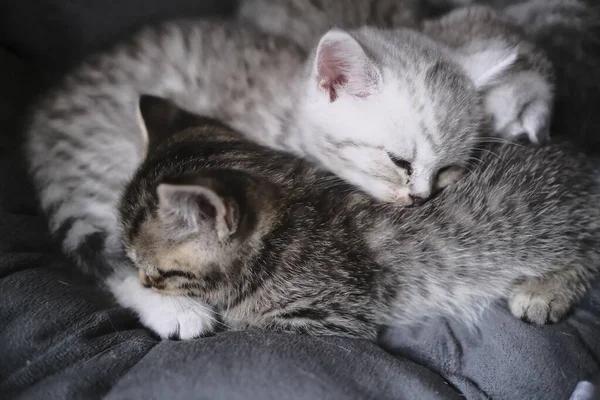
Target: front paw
[
  {"x": 174, "y": 317},
  {"x": 521, "y": 108},
  {"x": 540, "y": 302},
  {"x": 171, "y": 317}
]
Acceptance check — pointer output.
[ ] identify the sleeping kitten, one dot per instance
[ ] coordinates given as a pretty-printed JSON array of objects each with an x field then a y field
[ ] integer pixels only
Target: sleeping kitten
[
  {"x": 271, "y": 241},
  {"x": 518, "y": 94},
  {"x": 84, "y": 142}
]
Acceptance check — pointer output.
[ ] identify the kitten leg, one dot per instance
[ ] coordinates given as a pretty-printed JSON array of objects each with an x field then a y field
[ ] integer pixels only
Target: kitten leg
[
  {"x": 548, "y": 299},
  {"x": 171, "y": 317}
]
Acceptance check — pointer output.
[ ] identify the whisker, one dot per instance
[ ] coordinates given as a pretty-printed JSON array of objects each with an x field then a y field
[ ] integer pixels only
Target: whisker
[
  {"x": 491, "y": 152},
  {"x": 493, "y": 139},
  {"x": 474, "y": 165},
  {"x": 111, "y": 323},
  {"x": 471, "y": 169}
]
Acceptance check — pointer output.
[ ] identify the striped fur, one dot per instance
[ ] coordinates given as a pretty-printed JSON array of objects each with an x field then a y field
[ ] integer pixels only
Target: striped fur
[
  {"x": 85, "y": 141},
  {"x": 273, "y": 242}
]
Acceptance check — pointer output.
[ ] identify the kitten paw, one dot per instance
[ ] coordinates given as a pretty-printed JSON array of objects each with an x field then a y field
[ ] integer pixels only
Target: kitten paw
[
  {"x": 521, "y": 109},
  {"x": 177, "y": 318},
  {"x": 540, "y": 302},
  {"x": 170, "y": 317}
]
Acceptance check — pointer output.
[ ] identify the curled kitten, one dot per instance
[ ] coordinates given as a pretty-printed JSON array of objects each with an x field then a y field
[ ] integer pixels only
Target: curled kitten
[{"x": 271, "y": 241}]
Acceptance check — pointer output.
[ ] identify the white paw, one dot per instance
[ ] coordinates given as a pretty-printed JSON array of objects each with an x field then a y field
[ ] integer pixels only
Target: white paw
[
  {"x": 171, "y": 317},
  {"x": 521, "y": 107}
]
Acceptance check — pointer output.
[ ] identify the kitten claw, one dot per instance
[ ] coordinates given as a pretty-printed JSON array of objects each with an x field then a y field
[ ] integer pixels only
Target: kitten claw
[{"x": 540, "y": 302}]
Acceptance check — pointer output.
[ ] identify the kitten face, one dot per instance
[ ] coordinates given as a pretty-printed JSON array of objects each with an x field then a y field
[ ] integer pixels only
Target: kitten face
[
  {"x": 198, "y": 228},
  {"x": 184, "y": 230},
  {"x": 175, "y": 267},
  {"x": 391, "y": 111},
  {"x": 391, "y": 148}
]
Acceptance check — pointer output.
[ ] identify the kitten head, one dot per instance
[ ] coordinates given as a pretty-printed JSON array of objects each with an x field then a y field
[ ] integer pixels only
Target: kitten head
[
  {"x": 186, "y": 231},
  {"x": 391, "y": 109},
  {"x": 199, "y": 226}
]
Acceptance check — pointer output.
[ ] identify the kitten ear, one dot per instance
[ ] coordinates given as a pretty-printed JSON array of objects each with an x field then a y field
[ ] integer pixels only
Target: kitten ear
[
  {"x": 341, "y": 63},
  {"x": 486, "y": 66},
  {"x": 161, "y": 118},
  {"x": 196, "y": 209}
]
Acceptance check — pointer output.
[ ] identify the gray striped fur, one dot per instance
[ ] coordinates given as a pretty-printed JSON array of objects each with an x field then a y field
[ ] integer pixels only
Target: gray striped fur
[
  {"x": 85, "y": 141},
  {"x": 273, "y": 242}
]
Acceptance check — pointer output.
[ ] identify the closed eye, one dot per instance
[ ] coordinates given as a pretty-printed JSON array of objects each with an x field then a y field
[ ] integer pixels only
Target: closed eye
[
  {"x": 401, "y": 163},
  {"x": 176, "y": 273}
]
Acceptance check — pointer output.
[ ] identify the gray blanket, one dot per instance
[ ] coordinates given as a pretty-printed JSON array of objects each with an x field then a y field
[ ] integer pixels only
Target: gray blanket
[{"x": 60, "y": 337}]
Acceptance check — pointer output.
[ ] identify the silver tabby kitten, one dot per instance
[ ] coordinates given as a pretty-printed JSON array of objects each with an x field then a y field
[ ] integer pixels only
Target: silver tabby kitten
[
  {"x": 84, "y": 142},
  {"x": 271, "y": 241}
]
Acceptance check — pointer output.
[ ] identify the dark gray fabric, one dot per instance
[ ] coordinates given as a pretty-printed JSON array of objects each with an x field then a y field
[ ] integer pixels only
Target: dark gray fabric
[
  {"x": 54, "y": 33},
  {"x": 259, "y": 365},
  {"x": 506, "y": 358},
  {"x": 62, "y": 338}
]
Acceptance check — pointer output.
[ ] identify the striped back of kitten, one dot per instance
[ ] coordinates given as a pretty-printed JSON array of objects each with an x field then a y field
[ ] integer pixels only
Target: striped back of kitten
[{"x": 273, "y": 242}]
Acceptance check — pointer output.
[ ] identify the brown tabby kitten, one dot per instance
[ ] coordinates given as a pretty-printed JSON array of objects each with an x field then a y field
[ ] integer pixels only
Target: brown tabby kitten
[{"x": 271, "y": 241}]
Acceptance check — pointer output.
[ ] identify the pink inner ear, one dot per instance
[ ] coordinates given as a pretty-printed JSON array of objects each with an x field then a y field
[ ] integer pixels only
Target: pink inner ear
[
  {"x": 331, "y": 73},
  {"x": 343, "y": 64}
]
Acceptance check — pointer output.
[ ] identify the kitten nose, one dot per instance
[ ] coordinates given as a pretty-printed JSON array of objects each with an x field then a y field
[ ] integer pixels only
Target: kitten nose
[{"x": 417, "y": 200}]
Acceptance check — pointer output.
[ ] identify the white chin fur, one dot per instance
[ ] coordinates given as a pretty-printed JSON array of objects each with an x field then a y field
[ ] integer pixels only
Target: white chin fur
[{"x": 172, "y": 317}]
